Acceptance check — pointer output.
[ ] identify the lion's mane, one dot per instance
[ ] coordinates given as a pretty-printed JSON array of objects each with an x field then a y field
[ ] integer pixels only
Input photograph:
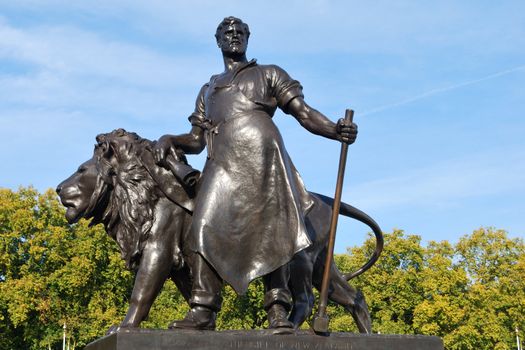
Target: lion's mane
[{"x": 126, "y": 190}]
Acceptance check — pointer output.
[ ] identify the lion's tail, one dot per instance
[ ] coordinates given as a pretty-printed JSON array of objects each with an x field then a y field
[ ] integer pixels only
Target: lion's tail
[{"x": 354, "y": 213}]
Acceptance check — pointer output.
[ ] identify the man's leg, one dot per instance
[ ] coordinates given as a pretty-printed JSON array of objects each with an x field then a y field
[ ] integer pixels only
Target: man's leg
[
  {"x": 277, "y": 297},
  {"x": 205, "y": 298}
]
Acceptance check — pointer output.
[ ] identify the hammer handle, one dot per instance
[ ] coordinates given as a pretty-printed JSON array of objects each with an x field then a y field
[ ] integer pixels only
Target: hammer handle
[{"x": 321, "y": 320}]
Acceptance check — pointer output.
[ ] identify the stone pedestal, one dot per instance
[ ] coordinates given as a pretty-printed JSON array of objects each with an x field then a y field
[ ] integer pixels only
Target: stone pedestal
[{"x": 151, "y": 339}]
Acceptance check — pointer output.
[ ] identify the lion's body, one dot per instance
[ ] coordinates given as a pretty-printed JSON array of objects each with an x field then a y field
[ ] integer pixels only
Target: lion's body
[
  {"x": 115, "y": 189},
  {"x": 123, "y": 189}
]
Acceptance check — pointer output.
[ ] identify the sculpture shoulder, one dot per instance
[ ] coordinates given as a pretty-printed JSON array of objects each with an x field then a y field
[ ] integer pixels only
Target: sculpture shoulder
[
  {"x": 203, "y": 90},
  {"x": 207, "y": 84},
  {"x": 212, "y": 79},
  {"x": 272, "y": 69}
]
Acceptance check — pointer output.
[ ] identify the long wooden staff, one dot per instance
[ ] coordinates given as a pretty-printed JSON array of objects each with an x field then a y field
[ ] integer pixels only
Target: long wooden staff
[{"x": 321, "y": 319}]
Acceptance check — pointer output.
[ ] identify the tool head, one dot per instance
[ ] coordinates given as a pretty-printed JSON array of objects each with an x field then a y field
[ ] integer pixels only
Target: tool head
[{"x": 320, "y": 324}]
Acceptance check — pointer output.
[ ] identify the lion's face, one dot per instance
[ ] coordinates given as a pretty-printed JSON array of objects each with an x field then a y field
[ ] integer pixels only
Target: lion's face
[
  {"x": 75, "y": 192},
  {"x": 108, "y": 187}
]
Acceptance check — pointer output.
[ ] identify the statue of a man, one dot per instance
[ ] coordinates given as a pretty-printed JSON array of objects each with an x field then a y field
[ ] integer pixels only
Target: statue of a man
[{"x": 249, "y": 212}]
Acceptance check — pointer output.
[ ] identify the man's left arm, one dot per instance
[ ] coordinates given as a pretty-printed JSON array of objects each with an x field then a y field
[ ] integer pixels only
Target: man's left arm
[{"x": 315, "y": 122}]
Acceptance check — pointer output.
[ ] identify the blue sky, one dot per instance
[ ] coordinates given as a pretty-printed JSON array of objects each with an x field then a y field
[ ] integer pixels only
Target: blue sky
[{"x": 438, "y": 89}]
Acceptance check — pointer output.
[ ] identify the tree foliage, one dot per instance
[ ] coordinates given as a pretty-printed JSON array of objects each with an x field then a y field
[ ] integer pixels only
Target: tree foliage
[
  {"x": 472, "y": 293},
  {"x": 53, "y": 273}
]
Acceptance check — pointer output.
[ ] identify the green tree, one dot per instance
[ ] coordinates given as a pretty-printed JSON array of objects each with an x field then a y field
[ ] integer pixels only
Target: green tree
[
  {"x": 471, "y": 294},
  {"x": 392, "y": 286},
  {"x": 494, "y": 302},
  {"x": 53, "y": 273},
  {"x": 444, "y": 285}
]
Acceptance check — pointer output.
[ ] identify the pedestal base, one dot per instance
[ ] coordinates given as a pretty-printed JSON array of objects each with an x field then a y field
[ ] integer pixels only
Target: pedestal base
[{"x": 152, "y": 339}]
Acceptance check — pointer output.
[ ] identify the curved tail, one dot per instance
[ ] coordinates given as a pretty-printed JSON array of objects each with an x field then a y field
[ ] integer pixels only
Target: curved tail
[{"x": 354, "y": 213}]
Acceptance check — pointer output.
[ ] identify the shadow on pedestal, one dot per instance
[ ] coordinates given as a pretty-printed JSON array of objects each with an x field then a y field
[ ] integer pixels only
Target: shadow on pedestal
[{"x": 150, "y": 339}]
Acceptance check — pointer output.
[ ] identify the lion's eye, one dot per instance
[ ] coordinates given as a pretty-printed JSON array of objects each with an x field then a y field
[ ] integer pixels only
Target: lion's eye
[{"x": 81, "y": 170}]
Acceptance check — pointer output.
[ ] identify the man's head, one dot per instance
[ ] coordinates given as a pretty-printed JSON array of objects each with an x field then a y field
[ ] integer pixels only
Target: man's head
[{"x": 232, "y": 36}]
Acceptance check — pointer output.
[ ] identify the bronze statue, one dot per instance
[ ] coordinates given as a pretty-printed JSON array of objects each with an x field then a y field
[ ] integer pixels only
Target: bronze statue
[
  {"x": 248, "y": 215},
  {"x": 251, "y": 204},
  {"x": 147, "y": 210}
]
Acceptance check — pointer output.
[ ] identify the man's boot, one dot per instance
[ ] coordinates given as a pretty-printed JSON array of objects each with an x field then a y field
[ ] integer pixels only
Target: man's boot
[
  {"x": 204, "y": 308},
  {"x": 277, "y": 303},
  {"x": 199, "y": 317}
]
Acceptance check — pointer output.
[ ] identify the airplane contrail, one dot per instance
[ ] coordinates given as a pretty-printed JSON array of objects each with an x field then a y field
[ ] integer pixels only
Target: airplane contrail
[{"x": 440, "y": 90}]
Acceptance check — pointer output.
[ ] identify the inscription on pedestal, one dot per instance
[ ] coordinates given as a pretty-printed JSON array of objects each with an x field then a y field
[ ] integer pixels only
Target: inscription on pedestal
[{"x": 292, "y": 345}]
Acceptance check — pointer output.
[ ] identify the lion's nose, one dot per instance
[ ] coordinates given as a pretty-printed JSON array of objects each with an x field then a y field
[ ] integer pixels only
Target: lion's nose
[{"x": 58, "y": 189}]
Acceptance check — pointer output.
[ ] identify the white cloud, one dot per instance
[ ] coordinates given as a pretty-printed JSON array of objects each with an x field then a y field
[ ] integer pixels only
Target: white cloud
[
  {"x": 72, "y": 51},
  {"x": 67, "y": 68}
]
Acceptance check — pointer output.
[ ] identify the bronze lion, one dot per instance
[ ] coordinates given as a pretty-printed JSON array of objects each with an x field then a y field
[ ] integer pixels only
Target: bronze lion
[{"x": 147, "y": 210}]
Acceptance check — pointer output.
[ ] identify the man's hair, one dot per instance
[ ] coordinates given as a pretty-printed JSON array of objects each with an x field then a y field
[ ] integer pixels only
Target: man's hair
[{"x": 229, "y": 21}]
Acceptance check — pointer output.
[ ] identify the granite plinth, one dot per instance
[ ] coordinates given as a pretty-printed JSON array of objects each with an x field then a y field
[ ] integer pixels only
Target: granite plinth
[{"x": 142, "y": 339}]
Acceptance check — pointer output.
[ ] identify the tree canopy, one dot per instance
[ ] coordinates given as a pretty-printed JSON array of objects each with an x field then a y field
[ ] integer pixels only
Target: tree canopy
[
  {"x": 471, "y": 293},
  {"x": 53, "y": 273}
]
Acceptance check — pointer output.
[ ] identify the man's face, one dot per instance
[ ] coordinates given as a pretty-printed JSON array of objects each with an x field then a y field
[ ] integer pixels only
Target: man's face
[{"x": 233, "y": 40}]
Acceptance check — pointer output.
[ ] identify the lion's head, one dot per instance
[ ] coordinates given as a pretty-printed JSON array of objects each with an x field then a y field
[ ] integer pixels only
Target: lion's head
[
  {"x": 119, "y": 187},
  {"x": 85, "y": 194}
]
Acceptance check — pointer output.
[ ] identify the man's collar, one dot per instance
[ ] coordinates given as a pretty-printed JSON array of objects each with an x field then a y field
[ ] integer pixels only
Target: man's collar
[
  {"x": 250, "y": 63},
  {"x": 238, "y": 69}
]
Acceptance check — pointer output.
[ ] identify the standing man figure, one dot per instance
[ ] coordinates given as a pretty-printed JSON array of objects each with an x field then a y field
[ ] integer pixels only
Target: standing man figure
[{"x": 249, "y": 212}]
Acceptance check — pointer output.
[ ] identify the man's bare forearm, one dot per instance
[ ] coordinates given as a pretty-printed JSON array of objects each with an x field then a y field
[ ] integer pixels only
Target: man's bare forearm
[
  {"x": 190, "y": 143},
  {"x": 311, "y": 119}
]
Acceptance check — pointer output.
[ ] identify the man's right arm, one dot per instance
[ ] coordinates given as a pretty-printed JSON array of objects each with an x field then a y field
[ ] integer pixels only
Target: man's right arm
[{"x": 190, "y": 143}]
